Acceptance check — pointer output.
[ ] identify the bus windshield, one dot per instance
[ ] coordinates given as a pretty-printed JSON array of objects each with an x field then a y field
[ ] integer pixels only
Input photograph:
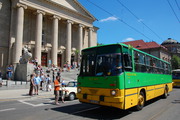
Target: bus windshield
[
  {"x": 108, "y": 65},
  {"x": 101, "y": 65},
  {"x": 101, "y": 61}
]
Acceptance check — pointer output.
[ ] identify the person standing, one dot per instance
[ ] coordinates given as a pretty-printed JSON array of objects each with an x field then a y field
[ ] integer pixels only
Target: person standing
[
  {"x": 9, "y": 72},
  {"x": 63, "y": 92},
  {"x": 59, "y": 72},
  {"x": 0, "y": 78},
  {"x": 53, "y": 76},
  {"x": 56, "y": 89},
  {"x": 48, "y": 81},
  {"x": 37, "y": 80},
  {"x": 42, "y": 81},
  {"x": 31, "y": 84},
  {"x": 36, "y": 61}
]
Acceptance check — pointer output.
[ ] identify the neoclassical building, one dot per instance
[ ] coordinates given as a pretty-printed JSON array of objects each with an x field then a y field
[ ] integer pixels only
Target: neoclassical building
[{"x": 53, "y": 30}]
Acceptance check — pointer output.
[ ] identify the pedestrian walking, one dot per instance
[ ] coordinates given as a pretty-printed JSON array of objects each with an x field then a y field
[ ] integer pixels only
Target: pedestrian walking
[
  {"x": 37, "y": 80},
  {"x": 31, "y": 84},
  {"x": 48, "y": 83},
  {"x": 56, "y": 89}
]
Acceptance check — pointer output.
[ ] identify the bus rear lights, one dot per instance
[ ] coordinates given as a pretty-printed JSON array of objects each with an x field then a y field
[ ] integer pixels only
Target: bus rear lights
[
  {"x": 78, "y": 83},
  {"x": 112, "y": 84},
  {"x": 113, "y": 92},
  {"x": 79, "y": 90}
]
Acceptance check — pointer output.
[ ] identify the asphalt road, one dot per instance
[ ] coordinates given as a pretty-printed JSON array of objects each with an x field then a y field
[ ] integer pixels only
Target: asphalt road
[{"x": 39, "y": 108}]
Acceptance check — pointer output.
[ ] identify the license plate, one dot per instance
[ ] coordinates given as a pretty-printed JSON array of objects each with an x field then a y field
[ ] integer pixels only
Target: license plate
[{"x": 94, "y": 101}]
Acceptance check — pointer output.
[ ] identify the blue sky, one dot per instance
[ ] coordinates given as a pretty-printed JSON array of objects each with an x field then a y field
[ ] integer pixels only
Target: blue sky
[{"x": 156, "y": 14}]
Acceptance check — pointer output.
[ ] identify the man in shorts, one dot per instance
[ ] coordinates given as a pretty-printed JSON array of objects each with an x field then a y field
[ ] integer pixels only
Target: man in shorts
[
  {"x": 37, "y": 81},
  {"x": 56, "y": 89}
]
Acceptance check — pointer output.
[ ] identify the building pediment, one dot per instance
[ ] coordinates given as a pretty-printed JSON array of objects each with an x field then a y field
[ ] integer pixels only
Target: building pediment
[
  {"x": 66, "y": 9},
  {"x": 73, "y": 5}
]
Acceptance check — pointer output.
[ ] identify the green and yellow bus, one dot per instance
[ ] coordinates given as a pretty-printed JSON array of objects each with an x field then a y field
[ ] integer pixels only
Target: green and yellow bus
[
  {"x": 176, "y": 77},
  {"x": 121, "y": 76}
]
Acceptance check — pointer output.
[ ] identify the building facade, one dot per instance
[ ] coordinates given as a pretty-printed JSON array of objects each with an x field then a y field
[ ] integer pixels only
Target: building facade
[
  {"x": 53, "y": 30},
  {"x": 173, "y": 46}
]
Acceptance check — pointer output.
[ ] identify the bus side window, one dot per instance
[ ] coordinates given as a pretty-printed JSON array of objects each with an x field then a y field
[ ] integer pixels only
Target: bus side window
[
  {"x": 136, "y": 60},
  {"x": 127, "y": 62}
]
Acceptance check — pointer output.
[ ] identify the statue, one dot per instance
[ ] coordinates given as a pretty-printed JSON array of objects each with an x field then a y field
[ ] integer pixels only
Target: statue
[{"x": 26, "y": 56}]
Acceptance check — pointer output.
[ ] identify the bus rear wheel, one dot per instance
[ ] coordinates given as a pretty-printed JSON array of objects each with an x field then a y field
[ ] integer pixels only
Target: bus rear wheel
[{"x": 141, "y": 101}]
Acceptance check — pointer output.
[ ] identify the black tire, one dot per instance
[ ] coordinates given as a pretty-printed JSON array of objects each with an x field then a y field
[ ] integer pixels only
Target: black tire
[
  {"x": 72, "y": 96},
  {"x": 141, "y": 101},
  {"x": 165, "y": 92}
]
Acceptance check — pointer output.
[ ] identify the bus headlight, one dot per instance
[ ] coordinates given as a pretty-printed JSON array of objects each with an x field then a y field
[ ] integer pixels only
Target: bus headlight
[
  {"x": 113, "y": 92},
  {"x": 79, "y": 90}
]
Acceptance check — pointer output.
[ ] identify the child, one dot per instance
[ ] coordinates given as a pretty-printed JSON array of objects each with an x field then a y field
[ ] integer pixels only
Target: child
[{"x": 63, "y": 92}]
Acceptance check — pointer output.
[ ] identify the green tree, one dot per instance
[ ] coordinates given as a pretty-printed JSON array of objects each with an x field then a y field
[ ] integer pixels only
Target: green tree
[
  {"x": 175, "y": 61},
  {"x": 99, "y": 44}
]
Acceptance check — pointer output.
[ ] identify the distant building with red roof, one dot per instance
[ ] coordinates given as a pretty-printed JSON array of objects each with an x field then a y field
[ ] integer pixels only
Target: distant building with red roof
[{"x": 152, "y": 48}]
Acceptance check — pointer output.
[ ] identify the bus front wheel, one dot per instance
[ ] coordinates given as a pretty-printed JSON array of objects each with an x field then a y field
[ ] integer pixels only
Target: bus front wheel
[{"x": 141, "y": 101}]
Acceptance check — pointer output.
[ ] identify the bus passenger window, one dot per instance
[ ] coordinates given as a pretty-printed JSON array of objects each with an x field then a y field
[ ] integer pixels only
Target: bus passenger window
[{"x": 127, "y": 62}]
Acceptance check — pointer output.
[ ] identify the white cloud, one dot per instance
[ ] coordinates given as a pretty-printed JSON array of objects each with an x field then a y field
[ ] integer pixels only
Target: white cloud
[
  {"x": 109, "y": 19},
  {"x": 140, "y": 20},
  {"x": 128, "y": 39}
]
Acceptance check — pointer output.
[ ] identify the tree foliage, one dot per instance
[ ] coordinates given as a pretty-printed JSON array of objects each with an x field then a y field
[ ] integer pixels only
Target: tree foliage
[
  {"x": 175, "y": 61},
  {"x": 99, "y": 44}
]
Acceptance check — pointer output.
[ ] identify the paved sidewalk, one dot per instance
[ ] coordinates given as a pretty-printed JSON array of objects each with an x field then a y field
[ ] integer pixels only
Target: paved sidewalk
[
  {"x": 20, "y": 90},
  {"x": 8, "y": 95}
]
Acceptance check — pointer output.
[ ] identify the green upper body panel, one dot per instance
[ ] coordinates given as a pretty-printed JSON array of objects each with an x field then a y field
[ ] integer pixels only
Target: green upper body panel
[{"x": 91, "y": 77}]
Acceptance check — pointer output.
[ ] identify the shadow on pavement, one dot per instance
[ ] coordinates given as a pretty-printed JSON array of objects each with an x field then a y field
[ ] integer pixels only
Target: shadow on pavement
[{"x": 93, "y": 111}]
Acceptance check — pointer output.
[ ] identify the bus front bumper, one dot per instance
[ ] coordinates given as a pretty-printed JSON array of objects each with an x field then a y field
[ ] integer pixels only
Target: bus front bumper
[{"x": 102, "y": 100}]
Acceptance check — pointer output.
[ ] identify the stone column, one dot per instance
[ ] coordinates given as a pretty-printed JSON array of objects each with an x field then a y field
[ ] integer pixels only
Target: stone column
[
  {"x": 68, "y": 41},
  {"x": 90, "y": 37},
  {"x": 55, "y": 39},
  {"x": 80, "y": 37},
  {"x": 38, "y": 37},
  {"x": 19, "y": 32}
]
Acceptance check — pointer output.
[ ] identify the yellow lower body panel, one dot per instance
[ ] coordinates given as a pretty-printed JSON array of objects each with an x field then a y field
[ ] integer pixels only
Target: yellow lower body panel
[
  {"x": 102, "y": 96},
  {"x": 176, "y": 83},
  {"x": 123, "y": 99}
]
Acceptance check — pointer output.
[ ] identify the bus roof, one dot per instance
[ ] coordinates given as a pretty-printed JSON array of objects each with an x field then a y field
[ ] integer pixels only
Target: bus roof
[{"x": 122, "y": 44}]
